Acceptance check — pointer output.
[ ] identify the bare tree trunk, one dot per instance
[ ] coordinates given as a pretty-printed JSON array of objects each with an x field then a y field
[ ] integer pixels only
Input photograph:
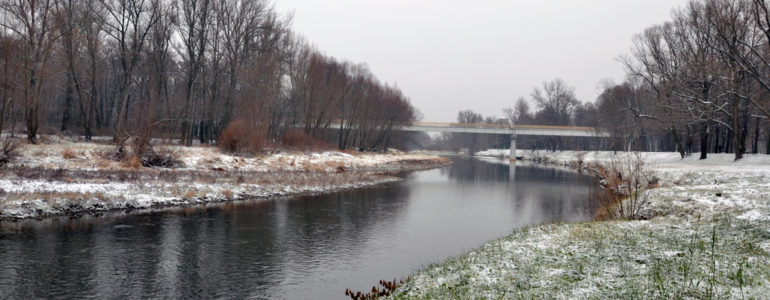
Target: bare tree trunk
[
  {"x": 5, "y": 102},
  {"x": 755, "y": 142},
  {"x": 120, "y": 132},
  {"x": 689, "y": 141},
  {"x": 737, "y": 129},
  {"x": 678, "y": 142},
  {"x": 31, "y": 109},
  {"x": 704, "y": 141},
  {"x": 13, "y": 121},
  {"x": 65, "y": 118},
  {"x": 744, "y": 128},
  {"x": 767, "y": 146}
]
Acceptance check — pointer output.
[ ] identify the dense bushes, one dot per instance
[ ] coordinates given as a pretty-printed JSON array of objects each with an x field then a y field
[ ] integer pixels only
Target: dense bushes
[
  {"x": 239, "y": 137},
  {"x": 297, "y": 139}
]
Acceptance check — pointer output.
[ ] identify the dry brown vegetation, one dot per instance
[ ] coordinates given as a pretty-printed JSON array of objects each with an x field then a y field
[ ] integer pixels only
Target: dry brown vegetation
[
  {"x": 189, "y": 195},
  {"x": 388, "y": 287},
  {"x": 625, "y": 180},
  {"x": 239, "y": 137},
  {"x": 8, "y": 150},
  {"x": 68, "y": 154},
  {"x": 297, "y": 139}
]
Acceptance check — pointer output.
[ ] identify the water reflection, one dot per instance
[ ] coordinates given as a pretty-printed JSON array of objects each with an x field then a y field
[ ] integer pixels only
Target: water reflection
[{"x": 313, "y": 246}]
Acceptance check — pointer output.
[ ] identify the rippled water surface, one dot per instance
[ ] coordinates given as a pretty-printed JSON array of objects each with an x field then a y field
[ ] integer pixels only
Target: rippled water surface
[{"x": 305, "y": 247}]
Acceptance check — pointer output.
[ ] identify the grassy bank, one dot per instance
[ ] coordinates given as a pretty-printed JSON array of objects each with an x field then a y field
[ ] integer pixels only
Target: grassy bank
[
  {"x": 707, "y": 236},
  {"x": 62, "y": 176}
]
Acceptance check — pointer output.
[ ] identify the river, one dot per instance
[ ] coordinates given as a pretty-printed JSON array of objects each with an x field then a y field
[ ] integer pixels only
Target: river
[{"x": 294, "y": 248}]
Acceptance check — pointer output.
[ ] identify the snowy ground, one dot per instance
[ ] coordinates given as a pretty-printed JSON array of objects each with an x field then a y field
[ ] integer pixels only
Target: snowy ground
[
  {"x": 62, "y": 176},
  {"x": 708, "y": 237}
]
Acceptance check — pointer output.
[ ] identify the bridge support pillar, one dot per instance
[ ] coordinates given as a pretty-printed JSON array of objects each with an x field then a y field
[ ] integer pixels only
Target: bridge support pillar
[{"x": 512, "y": 153}]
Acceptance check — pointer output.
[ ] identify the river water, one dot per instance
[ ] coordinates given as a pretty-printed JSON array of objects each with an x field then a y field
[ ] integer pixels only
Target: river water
[{"x": 297, "y": 248}]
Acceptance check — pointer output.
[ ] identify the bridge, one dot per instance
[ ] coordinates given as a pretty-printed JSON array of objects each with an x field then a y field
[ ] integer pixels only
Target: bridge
[
  {"x": 505, "y": 129},
  {"x": 537, "y": 130}
]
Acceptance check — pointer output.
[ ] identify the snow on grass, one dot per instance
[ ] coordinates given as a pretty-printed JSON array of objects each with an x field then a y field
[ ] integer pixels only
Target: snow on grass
[
  {"x": 63, "y": 176},
  {"x": 709, "y": 237},
  {"x": 715, "y": 258},
  {"x": 90, "y": 156}
]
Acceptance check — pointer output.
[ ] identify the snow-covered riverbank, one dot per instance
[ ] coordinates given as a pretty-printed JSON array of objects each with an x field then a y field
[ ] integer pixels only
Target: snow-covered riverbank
[
  {"x": 65, "y": 177},
  {"x": 708, "y": 236}
]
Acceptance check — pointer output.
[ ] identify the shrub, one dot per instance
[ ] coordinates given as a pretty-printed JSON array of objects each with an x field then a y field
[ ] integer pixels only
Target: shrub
[
  {"x": 160, "y": 157},
  {"x": 239, "y": 137},
  {"x": 296, "y": 138},
  {"x": 118, "y": 153},
  {"x": 143, "y": 154},
  {"x": 68, "y": 154},
  {"x": 625, "y": 180},
  {"x": 8, "y": 151}
]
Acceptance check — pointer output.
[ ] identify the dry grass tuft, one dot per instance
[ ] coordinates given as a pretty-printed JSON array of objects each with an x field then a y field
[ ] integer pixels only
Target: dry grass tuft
[
  {"x": 68, "y": 154},
  {"x": 134, "y": 162}
]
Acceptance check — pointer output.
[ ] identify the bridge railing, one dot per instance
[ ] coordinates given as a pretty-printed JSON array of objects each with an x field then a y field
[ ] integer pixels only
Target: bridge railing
[{"x": 517, "y": 126}]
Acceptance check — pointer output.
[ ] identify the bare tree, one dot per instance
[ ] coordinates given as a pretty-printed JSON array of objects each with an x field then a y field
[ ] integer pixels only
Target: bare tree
[
  {"x": 734, "y": 36},
  {"x": 193, "y": 26},
  {"x": 79, "y": 23},
  {"x": 128, "y": 23},
  {"x": 557, "y": 100},
  {"x": 239, "y": 22},
  {"x": 134, "y": 64},
  {"x": 10, "y": 50},
  {"x": 32, "y": 21}
]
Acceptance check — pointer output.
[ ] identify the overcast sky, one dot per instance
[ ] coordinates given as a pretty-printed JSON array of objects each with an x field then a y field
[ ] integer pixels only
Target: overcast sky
[{"x": 448, "y": 56}]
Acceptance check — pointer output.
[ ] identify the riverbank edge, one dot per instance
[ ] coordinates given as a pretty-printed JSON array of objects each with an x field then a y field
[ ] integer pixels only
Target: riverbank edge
[
  {"x": 53, "y": 180},
  {"x": 599, "y": 259}
]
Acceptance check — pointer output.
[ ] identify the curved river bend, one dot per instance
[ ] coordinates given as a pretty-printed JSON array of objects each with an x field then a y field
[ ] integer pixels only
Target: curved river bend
[{"x": 305, "y": 247}]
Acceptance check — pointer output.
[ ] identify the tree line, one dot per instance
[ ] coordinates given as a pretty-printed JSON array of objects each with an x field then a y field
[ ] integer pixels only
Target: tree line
[
  {"x": 697, "y": 83},
  {"x": 187, "y": 70},
  {"x": 556, "y": 104},
  {"x": 700, "y": 81}
]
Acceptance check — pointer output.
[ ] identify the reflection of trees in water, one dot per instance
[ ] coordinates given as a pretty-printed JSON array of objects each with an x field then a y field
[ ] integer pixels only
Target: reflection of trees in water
[
  {"x": 33, "y": 261},
  {"x": 343, "y": 219},
  {"x": 559, "y": 194},
  {"x": 470, "y": 169},
  {"x": 541, "y": 193}
]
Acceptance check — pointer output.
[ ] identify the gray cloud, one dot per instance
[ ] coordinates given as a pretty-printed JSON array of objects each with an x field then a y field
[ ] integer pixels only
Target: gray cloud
[{"x": 453, "y": 55}]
